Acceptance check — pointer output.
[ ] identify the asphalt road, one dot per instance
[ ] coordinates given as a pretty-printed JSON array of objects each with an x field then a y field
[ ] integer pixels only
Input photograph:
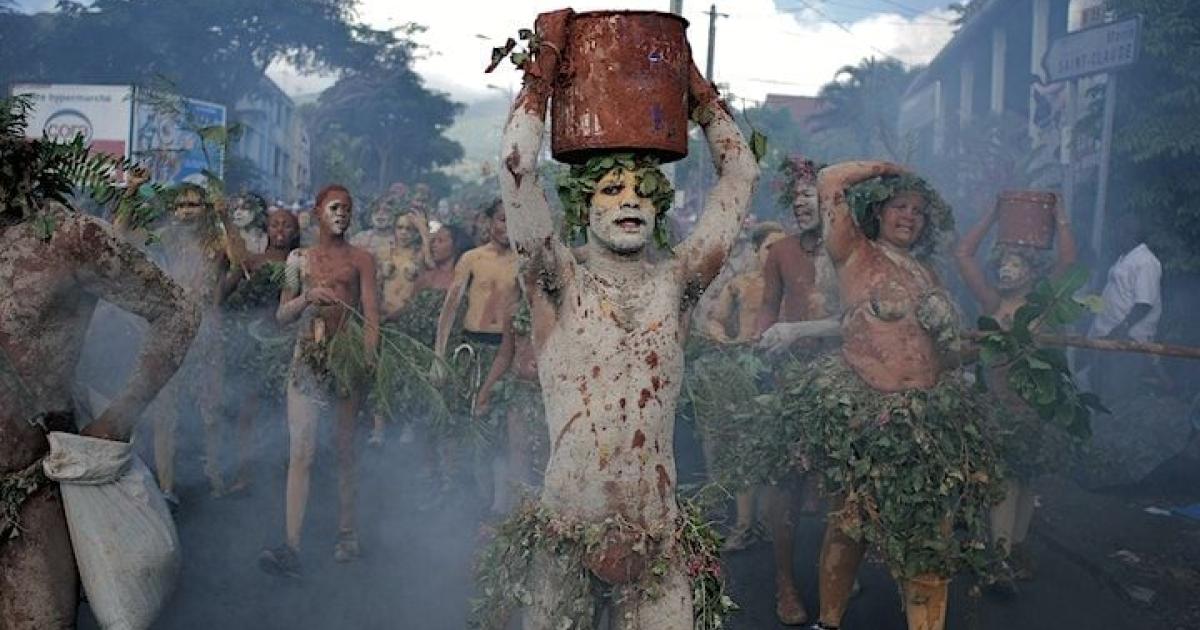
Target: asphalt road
[{"x": 417, "y": 564}]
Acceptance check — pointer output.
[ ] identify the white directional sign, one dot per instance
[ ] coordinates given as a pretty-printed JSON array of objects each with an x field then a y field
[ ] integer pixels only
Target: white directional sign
[{"x": 1095, "y": 50}]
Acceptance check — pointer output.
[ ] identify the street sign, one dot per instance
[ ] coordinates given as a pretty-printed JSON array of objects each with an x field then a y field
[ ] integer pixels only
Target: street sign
[{"x": 1096, "y": 50}]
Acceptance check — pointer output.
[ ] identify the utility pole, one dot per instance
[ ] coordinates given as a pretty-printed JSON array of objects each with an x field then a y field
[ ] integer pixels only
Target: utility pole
[
  {"x": 677, "y": 7},
  {"x": 712, "y": 40}
]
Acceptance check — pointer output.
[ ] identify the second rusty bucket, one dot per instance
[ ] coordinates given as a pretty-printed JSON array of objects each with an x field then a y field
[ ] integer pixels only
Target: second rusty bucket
[
  {"x": 623, "y": 86},
  {"x": 1026, "y": 218}
]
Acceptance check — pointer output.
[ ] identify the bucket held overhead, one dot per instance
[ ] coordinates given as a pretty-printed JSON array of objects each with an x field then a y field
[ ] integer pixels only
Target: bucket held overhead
[
  {"x": 623, "y": 86},
  {"x": 1026, "y": 218}
]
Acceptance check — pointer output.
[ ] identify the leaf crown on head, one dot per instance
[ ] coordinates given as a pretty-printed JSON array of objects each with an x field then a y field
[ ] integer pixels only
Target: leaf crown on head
[
  {"x": 577, "y": 185},
  {"x": 794, "y": 169},
  {"x": 867, "y": 199}
]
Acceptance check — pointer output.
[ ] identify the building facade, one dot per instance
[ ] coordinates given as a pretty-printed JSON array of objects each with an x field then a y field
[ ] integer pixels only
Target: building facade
[{"x": 275, "y": 141}]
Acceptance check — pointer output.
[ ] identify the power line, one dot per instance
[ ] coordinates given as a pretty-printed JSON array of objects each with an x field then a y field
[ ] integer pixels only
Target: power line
[
  {"x": 847, "y": 29},
  {"x": 901, "y": 20},
  {"x": 906, "y": 7}
]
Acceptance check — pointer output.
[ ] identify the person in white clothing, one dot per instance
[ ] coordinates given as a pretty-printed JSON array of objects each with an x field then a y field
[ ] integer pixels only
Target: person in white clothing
[{"x": 1133, "y": 303}]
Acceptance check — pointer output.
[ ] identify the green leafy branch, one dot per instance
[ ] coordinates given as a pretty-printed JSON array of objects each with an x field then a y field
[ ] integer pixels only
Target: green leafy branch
[
  {"x": 33, "y": 172},
  {"x": 1039, "y": 375},
  {"x": 519, "y": 57}
]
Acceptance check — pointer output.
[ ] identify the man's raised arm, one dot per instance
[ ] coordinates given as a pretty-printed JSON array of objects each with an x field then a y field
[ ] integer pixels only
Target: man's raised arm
[
  {"x": 114, "y": 270},
  {"x": 530, "y": 223},
  {"x": 704, "y": 252}
]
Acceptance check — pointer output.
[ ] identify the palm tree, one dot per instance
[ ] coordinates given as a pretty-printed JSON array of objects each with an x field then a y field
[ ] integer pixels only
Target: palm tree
[
  {"x": 965, "y": 11},
  {"x": 865, "y": 101}
]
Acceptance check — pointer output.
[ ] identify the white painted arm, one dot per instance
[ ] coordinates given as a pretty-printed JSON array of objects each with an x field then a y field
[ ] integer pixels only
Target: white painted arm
[
  {"x": 530, "y": 223},
  {"x": 784, "y": 335},
  {"x": 704, "y": 252}
]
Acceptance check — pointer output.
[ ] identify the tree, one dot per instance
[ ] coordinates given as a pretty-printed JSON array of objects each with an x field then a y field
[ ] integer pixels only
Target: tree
[
  {"x": 964, "y": 11},
  {"x": 1156, "y": 151},
  {"x": 383, "y": 116},
  {"x": 865, "y": 101},
  {"x": 216, "y": 50},
  {"x": 219, "y": 51}
]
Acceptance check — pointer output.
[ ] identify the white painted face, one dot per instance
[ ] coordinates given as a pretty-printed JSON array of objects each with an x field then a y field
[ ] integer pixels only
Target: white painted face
[
  {"x": 334, "y": 213},
  {"x": 619, "y": 218},
  {"x": 243, "y": 214},
  {"x": 805, "y": 207},
  {"x": 1012, "y": 272}
]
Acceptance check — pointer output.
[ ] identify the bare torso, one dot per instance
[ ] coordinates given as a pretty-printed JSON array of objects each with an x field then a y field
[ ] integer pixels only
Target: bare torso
[
  {"x": 882, "y": 338},
  {"x": 796, "y": 268},
  {"x": 255, "y": 239},
  {"x": 748, "y": 290},
  {"x": 493, "y": 288},
  {"x": 609, "y": 370},
  {"x": 335, "y": 268},
  {"x": 405, "y": 266}
]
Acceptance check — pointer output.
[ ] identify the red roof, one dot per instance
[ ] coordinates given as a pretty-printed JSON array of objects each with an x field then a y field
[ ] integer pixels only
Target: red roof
[{"x": 801, "y": 107}]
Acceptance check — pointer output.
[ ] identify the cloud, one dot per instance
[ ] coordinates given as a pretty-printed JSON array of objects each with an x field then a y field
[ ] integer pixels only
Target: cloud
[{"x": 759, "y": 48}]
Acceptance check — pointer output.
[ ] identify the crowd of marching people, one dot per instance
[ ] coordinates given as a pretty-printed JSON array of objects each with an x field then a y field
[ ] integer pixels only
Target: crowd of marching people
[{"x": 824, "y": 367}]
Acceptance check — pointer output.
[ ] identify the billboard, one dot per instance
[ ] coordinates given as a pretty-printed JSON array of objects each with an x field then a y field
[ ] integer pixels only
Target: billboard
[
  {"x": 167, "y": 138},
  {"x": 102, "y": 113}
]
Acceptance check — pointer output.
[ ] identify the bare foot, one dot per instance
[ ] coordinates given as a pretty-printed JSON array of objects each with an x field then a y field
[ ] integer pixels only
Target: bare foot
[{"x": 789, "y": 608}]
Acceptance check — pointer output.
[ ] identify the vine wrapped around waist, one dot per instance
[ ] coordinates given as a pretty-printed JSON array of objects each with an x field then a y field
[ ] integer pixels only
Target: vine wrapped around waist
[{"x": 505, "y": 571}]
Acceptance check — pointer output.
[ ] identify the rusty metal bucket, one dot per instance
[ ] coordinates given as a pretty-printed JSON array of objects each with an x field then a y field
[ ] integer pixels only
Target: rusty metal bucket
[
  {"x": 623, "y": 86},
  {"x": 1026, "y": 218}
]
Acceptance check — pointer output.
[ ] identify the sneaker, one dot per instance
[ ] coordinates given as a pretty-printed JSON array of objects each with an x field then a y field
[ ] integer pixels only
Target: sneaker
[
  {"x": 376, "y": 438},
  {"x": 346, "y": 549},
  {"x": 281, "y": 561}
]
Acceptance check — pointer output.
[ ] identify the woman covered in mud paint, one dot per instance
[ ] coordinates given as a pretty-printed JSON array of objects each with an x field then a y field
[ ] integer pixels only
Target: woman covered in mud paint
[
  {"x": 901, "y": 442},
  {"x": 1031, "y": 446},
  {"x": 418, "y": 319},
  {"x": 256, "y": 350}
]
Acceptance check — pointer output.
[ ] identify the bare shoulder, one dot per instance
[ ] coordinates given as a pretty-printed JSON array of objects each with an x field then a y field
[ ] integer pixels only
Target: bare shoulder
[
  {"x": 472, "y": 256},
  {"x": 361, "y": 257}
]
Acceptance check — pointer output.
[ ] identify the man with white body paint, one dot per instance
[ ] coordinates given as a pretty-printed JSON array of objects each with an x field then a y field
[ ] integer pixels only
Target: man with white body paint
[{"x": 609, "y": 334}]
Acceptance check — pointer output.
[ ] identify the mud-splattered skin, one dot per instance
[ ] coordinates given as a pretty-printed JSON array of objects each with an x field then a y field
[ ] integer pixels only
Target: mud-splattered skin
[
  {"x": 48, "y": 290},
  {"x": 881, "y": 288},
  {"x": 610, "y": 364},
  {"x": 609, "y": 331}
]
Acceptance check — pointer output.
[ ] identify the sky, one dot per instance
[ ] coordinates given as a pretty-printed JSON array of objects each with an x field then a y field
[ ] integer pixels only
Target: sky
[{"x": 781, "y": 46}]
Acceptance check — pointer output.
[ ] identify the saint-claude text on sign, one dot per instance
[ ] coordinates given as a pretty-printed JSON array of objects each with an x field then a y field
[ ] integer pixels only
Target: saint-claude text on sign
[{"x": 1095, "y": 50}]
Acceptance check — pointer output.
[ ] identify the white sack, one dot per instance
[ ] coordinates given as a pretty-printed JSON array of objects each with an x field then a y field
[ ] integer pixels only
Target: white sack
[{"x": 121, "y": 530}]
